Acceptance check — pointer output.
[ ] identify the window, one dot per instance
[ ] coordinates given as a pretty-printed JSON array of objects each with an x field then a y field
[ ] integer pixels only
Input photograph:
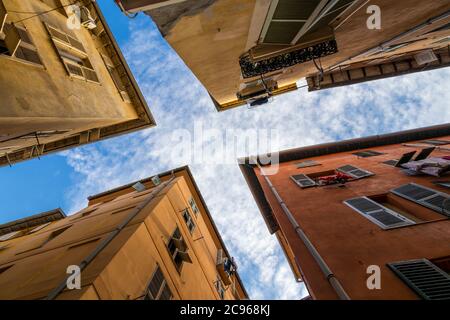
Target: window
[
  {"x": 378, "y": 214},
  {"x": 178, "y": 250},
  {"x": 3, "y": 16},
  {"x": 436, "y": 142},
  {"x": 52, "y": 236},
  {"x": 189, "y": 221},
  {"x": 340, "y": 175},
  {"x": 18, "y": 44},
  {"x": 193, "y": 206},
  {"x": 307, "y": 163},
  {"x": 115, "y": 76},
  {"x": 10, "y": 235},
  {"x": 425, "y": 278},
  {"x": 435, "y": 200},
  {"x": 3, "y": 269},
  {"x": 303, "y": 181},
  {"x": 220, "y": 289},
  {"x": 367, "y": 153},
  {"x": 405, "y": 158},
  {"x": 85, "y": 213},
  {"x": 55, "y": 234},
  {"x": 158, "y": 289},
  {"x": 72, "y": 54},
  {"x": 36, "y": 229},
  {"x": 445, "y": 184},
  {"x": 289, "y": 22}
]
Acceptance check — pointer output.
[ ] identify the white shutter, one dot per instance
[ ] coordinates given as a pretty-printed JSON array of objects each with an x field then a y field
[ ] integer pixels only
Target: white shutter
[
  {"x": 378, "y": 214},
  {"x": 9, "y": 236},
  {"x": 355, "y": 172},
  {"x": 424, "y": 196},
  {"x": 303, "y": 181}
]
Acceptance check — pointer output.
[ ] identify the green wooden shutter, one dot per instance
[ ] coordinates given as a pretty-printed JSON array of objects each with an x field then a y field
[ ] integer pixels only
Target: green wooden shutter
[{"x": 422, "y": 276}]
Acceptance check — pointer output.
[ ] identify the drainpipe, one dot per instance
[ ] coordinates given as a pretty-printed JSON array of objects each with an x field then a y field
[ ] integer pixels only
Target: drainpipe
[
  {"x": 55, "y": 292},
  {"x": 334, "y": 282}
]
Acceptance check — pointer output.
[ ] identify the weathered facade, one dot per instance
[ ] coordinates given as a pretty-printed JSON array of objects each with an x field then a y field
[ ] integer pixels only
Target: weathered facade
[
  {"x": 63, "y": 84},
  {"x": 341, "y": 210},
  {"x": 247, "y": 52},
  {"x": 151, "y": 240}
]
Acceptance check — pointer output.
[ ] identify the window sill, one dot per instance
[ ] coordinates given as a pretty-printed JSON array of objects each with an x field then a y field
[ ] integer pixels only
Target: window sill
[{"x": 40, "y": 66}]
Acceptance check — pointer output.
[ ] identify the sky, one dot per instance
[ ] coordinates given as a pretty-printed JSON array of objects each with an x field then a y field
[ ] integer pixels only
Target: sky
[{"x": 182, "y": 109}]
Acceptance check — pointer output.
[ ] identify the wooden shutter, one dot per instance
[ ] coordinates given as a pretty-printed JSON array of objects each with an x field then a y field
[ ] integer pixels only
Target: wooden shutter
[
  {"x": 378, "y": 214},
  {"x": 9, "y": 236},
  {"x": 74, "y": 69},
  {"x": 367, "y": 153},
  {"x": 3, "y": 15},
  {"x": 307, "y": 163},
  {"x": 422, "y": 276},
  {"x": 62, "y": 37},
  {"x": 355, "y": 172},
  {"x": 166, "y": 294},
  {"x": 424, "y": 196},
  {"x": 90, "y": 74},
  {"x": 184, "y": 256},
  {"x": 303, "y": 181}
]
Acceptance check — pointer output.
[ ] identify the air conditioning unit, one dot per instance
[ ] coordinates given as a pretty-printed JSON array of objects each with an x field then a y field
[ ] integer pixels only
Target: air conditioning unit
[
  {"x": 125, "y": 96},
  {"x": 425, "y": 57},
  {"x": 221, "y": 261},
  {"x": 86, "y": 19}
]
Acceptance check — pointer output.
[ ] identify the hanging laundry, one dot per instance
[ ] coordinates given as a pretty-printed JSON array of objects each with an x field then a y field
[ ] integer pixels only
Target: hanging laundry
[{"x": 431, "y": 166}]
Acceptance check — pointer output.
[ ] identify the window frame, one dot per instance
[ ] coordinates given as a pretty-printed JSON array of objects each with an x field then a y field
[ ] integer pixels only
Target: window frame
[
  {"x": 72, "y": 47},
  {"x": 23, "y": 45},
  {"x": 189, "y": 221},
  {"x": 164, "y": 284},
  {"x": 177, "y": 254},
  {"x": 193, "y": 205}
]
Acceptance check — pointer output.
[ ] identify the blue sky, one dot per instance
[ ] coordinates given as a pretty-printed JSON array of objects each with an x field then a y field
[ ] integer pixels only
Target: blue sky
[{"x": 179, "y": 104}]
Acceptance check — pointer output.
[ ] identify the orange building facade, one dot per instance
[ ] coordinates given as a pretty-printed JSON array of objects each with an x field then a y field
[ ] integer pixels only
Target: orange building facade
[
  {"x": 151, "y": 240},
  {"x": 342, "y": 210}
]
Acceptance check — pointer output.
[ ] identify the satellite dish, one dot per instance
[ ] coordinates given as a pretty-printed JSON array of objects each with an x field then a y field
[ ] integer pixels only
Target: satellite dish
[{"x": 139, "y": 187}]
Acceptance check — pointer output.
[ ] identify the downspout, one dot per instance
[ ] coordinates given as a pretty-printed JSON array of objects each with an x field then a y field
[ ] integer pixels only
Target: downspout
[
  {"x": 334, "y": 282},
  {"x": 55, "y": 292}
]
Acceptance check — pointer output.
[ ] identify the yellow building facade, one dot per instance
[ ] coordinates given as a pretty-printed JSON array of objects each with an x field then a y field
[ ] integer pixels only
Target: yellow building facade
[
  {"x": 64, "y": 81},
  {"x": 154, "y": 239}
]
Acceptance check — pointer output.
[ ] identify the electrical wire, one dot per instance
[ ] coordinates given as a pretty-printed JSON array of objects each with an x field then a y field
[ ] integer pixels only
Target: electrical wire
[
  {"x": 128, "y": 14},
  {"x": 37, "y": 14}
]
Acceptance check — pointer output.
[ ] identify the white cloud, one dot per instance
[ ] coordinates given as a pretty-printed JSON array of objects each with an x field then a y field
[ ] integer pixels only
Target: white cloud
[{"x": 177, "y": 99}]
